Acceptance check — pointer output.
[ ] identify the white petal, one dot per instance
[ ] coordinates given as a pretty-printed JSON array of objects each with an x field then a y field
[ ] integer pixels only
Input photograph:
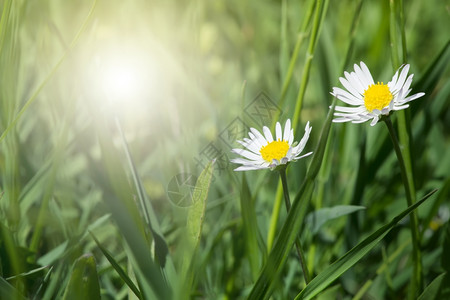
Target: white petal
[
  {"x": 350, "y": 99},
  {"x": 407, "y": 84},
  {"x": 341, "y": 120},
  {"x": 259, "y": 136},
  {"x": 250, "y": 168},
  {"x": 250, "y": 146},
  {"x": 349, "y": 86},
  {"x": 413, "y": 97},
  {"x": 299, "y": 148},
  {"x": 287, "y": 130},
  {"x": 278, "y": 132},
  {"x": 374, "y": 121},
  {"x": 357, "y": 83},
  {"x": 268, "y": 134},
  {"x": 362, "y": 77},
  {"x": 400, "y": 107},
  {"x": 247, "y": 154},
  {"x": 391, "y": 84},
  {"x": 402, "y": 78},
  {"x": 255, "y": 140},
  {"x": 242, "y": 161},
  {"x": 304, "y": 155},
  {"x": 291, "y": 137},
  {"x": 350, "y": 109},
  {"x": 366, "y": 71}
]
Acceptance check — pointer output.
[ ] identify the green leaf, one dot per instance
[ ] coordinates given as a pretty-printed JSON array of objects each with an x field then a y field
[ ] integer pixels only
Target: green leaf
[
  {"x": 195, "y": 218},
  {"x": 319, "y": 217},
  {"x": 321, "y": 281},
  {"x": 294, "y": 220},
  {"x": 118, "y": 269},
  {"x": 431, "y": 292},
  {"x": 250, "y": 227},
  {"x": 7, "y": 291},
  {"x": 445, "y": 259},
  {"x": 83, "y": 283},
  {"x": 119, "y": 198},
  {"x": 196, "y": 211}
]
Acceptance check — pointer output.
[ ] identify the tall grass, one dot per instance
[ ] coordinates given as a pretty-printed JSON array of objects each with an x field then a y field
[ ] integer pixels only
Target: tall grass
[{"x": 88, "y": 178}]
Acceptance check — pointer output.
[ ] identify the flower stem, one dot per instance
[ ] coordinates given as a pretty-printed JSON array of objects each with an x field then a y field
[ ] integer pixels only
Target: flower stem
[
  {"x": 298, "y": 246},
  {"x": 417, "y": 276}
]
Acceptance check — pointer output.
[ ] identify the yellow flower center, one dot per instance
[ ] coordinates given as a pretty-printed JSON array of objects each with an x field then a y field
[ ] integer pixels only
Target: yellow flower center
[
  {"x": 377, "y": 96},
  {"x": 274, "y": 150}
]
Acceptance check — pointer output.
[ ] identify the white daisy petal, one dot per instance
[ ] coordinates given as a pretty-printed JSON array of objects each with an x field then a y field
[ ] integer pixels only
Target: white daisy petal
[
  {"x": 362, "y": 77},
  {"x": 366, "y": 71},
  {"x": 261, "y": 139},
  {"x": 287, "y": 130},
  {"x": 357, "y": 83},
  {"x": 267, "y": 134},
  {"x": 246, "y": 154},
  {"x": 261, "y": 152},
  {"x": 249, "y": 168},
  {"x": 350, "y": 109},
  {"x": 347, "y": 97},
  {"x": 400, "y": 107},
  {"x": 341, "y": 120},
  {"x": 304, "y": 155},
  {"x": 349, "y": 86},
  {"x": 413, "y": 97},
  {"x": 391, "y": 84},
  {"x": 374, "y": 121},
  {"x": 402, "y": 78},
  {"x": 291, "y": 137},
  {"x": 364, "y": 96},
  {"x": 250, "y": 146},
  {"x": 278, "y": 135}
]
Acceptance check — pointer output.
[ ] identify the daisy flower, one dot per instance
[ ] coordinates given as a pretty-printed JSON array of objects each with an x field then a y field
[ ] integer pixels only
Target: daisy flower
[
  {"x": 263, "y": 152},
  {"x": 370, "y": 101}
]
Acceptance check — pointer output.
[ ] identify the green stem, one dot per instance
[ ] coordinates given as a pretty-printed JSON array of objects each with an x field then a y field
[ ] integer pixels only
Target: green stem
[
  {"x": 302, "y": 33},
  {"x": 417, "y": 276},
  {"x": 318, "y": 19},
  {"x": 298, "y": 246},
  {"x": 274, "y": 217}
]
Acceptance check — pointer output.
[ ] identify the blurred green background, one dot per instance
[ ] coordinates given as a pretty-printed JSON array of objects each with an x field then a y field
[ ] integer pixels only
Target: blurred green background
[{"x": 190, "y": 69}]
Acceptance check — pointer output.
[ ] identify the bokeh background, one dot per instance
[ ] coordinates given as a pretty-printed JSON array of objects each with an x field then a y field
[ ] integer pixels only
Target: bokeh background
[{"x": 183, "y": 78}]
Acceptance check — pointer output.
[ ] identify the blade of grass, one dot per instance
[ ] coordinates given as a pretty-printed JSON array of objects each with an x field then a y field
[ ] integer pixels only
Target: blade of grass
[
  {"x": 320, "y": 10},
  {"x": 326, "y": 277},
  {"x": 250, "y": 228},
  {"x": 294, "y": 220},
  {"x": 83, "y": 283},
  {"x": 161, "y": 249},
  {"x": 194, "y": 224},
  {"x": 126, "y": 214},
  {"x": 52, "y": 72},
  {"x": 7, "y": 291},
  {"x": 117, "y": 267}
]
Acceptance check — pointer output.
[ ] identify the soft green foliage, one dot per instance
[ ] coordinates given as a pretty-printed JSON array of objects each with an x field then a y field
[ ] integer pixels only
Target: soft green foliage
[
  {"x": 136, "y": 171},
  {"x": 83, "y": 282}
]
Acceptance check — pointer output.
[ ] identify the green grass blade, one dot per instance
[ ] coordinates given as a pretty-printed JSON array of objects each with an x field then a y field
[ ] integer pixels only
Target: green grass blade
[
  {"x": 250, "y": 227},
  {"x": 117, "y": 267},
  {"x": 126, "y": 214},
  {"x": 51, "y": 74},
  {"x": 194, "y": 224},
  {"x": 432, "y": 291},
  {"x": 321, "y": 281},
  {"x": 319, "y": 217},
  {"x": 294, "y": 220},
  {"x": 83, "y": 283},
  {"x": 161, "y": 249},
  {"x": 7, "y": 291},
  {"x": 196, "y": 212}
]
